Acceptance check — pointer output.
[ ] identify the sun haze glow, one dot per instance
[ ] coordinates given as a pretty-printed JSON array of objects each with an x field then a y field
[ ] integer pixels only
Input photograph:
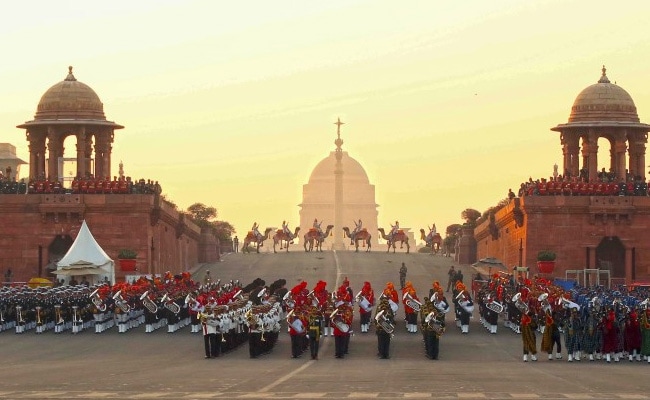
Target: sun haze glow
[{"x": 446, "y": 104}]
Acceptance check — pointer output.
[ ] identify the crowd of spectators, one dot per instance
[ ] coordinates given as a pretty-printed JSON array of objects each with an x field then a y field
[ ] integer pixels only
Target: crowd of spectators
[
  {"x": 605, "y": 184},
  {"x": 89, "y": 185}
]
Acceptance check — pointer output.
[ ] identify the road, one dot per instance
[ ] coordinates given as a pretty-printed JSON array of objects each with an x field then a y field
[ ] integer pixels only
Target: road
[{"x": 171, "y": 366}]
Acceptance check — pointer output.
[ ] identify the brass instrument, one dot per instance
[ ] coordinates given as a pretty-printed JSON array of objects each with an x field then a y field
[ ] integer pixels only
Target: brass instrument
[
  {"x": 543, "y": 300},
  {"x": 19, "y": 315},
  {"x": 97, "y": 300},
  {"x": 521, "y": 306},
  {"x": 121, "y": 303},
  {"x": 288, "y": 301},
  {"x": 568, "y": 304},
  {"x": 148, "y": 303},
  {"x": 190, "y": 300},
  {"x": 644, "y": 304},
  {"x": 335, "y": 319},
  {"x": 434, "y": 323},
  {"x": 411, "y": 302},
  {"x": 493, "y": 305},
  {"x": 384, "y": 322},
  {"x": 314, "y": 299},
  {"x": 464, "y": 301},
  {"x": 169, "y": 304},
  {"x": 39, "y": 321},
  {"x": 58, "y": 314}
]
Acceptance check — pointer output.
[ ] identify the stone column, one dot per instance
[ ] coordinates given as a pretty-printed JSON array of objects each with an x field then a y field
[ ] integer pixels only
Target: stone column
[
  {"x": 590, "y": 153},
  {"x": 571, "y": 150},
  {"x": 54, "y": 148},
  {"x": 619, "y": 150},
  {"x": 81, "y": 152},
  {"x": 88, "y": 154},
  {"x": 36, "y": 154},
  {"x": 637, "y": 141}
]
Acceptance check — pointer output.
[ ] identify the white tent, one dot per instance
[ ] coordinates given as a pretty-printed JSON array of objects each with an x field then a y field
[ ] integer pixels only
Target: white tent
[{"x": 86, "y": 257}]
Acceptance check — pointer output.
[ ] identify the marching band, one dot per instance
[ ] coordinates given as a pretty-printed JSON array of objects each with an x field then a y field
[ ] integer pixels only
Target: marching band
[{"x": 592, "y": 324}]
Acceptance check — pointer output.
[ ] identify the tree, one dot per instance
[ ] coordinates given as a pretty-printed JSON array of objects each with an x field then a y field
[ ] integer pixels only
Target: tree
[
  {"x": 470, "y": 216},
  {"x": 202, "y": 215},
  {"x": 205, "y": 217}
]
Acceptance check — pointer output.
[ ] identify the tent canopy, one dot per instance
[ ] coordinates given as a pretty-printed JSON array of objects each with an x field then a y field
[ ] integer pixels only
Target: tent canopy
[{"x": 86, "y": 257}]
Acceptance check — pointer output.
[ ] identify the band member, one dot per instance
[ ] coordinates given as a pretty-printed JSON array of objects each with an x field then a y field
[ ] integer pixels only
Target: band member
[
  {"x": 573, "y": 335},
  {"x": 464, "y": 306},
  {"x": 610, "y": 329},
  {"x": 297, "y": 323},
  {"x": 633, "y": 336},
  {"x": 645, "y": 333},
  {"x": 528, "y": 326},
  {"x": 341, "y": 320},
  {"x": 366, "y": 300},
  {"x": 410, "y": 298},
  {"x": 384, "y": 320},
  {"x": 209, "y": 333},
  {"x": 551, "y": 336},
  {"x": 315, "y": 324},
  {"x": 432, "y": 314},
  {"x": 390, "y": 292}
]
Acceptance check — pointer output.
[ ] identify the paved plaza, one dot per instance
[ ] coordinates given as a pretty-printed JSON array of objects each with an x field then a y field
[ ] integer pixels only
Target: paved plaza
[{"x": 160, "y": 365}]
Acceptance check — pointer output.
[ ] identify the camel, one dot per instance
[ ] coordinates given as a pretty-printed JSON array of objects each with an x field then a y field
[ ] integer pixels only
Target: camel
[
  {"x": 362, "y": 236},
  {"x": 400, "y": 236},
  {"x": 251, "y": 238},
  {"x": 433, "y": 241},
  {"x": 281, "y": 235},
  {"x": 314, "y": 235}
]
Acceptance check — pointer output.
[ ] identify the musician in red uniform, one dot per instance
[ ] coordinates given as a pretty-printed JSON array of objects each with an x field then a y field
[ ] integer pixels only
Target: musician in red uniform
[
  {"x": 366, "y": 299},
  {"x": 409, "y": 297},
  {"x": 341, "y": 320},
  {"x": 297, "y": 322}
]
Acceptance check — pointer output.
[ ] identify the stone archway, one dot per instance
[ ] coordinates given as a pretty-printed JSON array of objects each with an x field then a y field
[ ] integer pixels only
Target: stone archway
[
  {"x": 59, "y": 247},
  {"x": 610, "y": 255}
]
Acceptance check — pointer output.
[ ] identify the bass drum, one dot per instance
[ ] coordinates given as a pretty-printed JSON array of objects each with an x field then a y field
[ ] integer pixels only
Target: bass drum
[
  {"x": 365, "y": 304},
  {"x": 393, "y": 306},
  {"x": 298, "y": 326},
  {"x": 343, "y": 327}
]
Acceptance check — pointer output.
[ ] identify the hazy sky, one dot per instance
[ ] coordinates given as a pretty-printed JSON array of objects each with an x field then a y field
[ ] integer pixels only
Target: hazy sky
[{"x": 447, "y": 104}]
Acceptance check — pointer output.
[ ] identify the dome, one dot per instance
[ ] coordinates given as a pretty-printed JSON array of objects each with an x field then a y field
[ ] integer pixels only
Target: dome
[
  {"x": 603, "y": 101},
  {"x": 352, "y": 170},
  {"x": 70, "y": 99}
]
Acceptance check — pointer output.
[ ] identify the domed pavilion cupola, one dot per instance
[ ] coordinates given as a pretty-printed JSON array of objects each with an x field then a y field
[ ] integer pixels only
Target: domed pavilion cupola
[
  {"x": 69, "y": 108},
  {"x": 603, "y": 110}
]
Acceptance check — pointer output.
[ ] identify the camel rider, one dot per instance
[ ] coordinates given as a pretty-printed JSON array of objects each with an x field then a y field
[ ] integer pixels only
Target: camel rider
[
  {"x": 433, "y": 231},
  {"x": 285, "y": 228},
  {"x": 256, "y": 230},
  {"x": 357, "y": 229},
  {"x": 394, "y": 229},
  {"x": 316, "y": 225}
]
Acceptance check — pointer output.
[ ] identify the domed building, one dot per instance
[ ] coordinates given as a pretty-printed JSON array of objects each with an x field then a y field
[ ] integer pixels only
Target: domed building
[
  {"x": 598, "y": 237},
  {"x": 69, "y": 108},
  {"x": 40, "y": 226},
  {"x": 357, "y": 198}
]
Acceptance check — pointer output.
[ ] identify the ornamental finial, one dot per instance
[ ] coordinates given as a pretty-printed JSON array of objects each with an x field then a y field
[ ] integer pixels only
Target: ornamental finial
[
  {"x": 603, "y": 78},
  {"x": 70, "y": 77}
]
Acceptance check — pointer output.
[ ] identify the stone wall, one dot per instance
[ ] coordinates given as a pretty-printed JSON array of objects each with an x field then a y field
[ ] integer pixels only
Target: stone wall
[{"x": 163, "y": 238}]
